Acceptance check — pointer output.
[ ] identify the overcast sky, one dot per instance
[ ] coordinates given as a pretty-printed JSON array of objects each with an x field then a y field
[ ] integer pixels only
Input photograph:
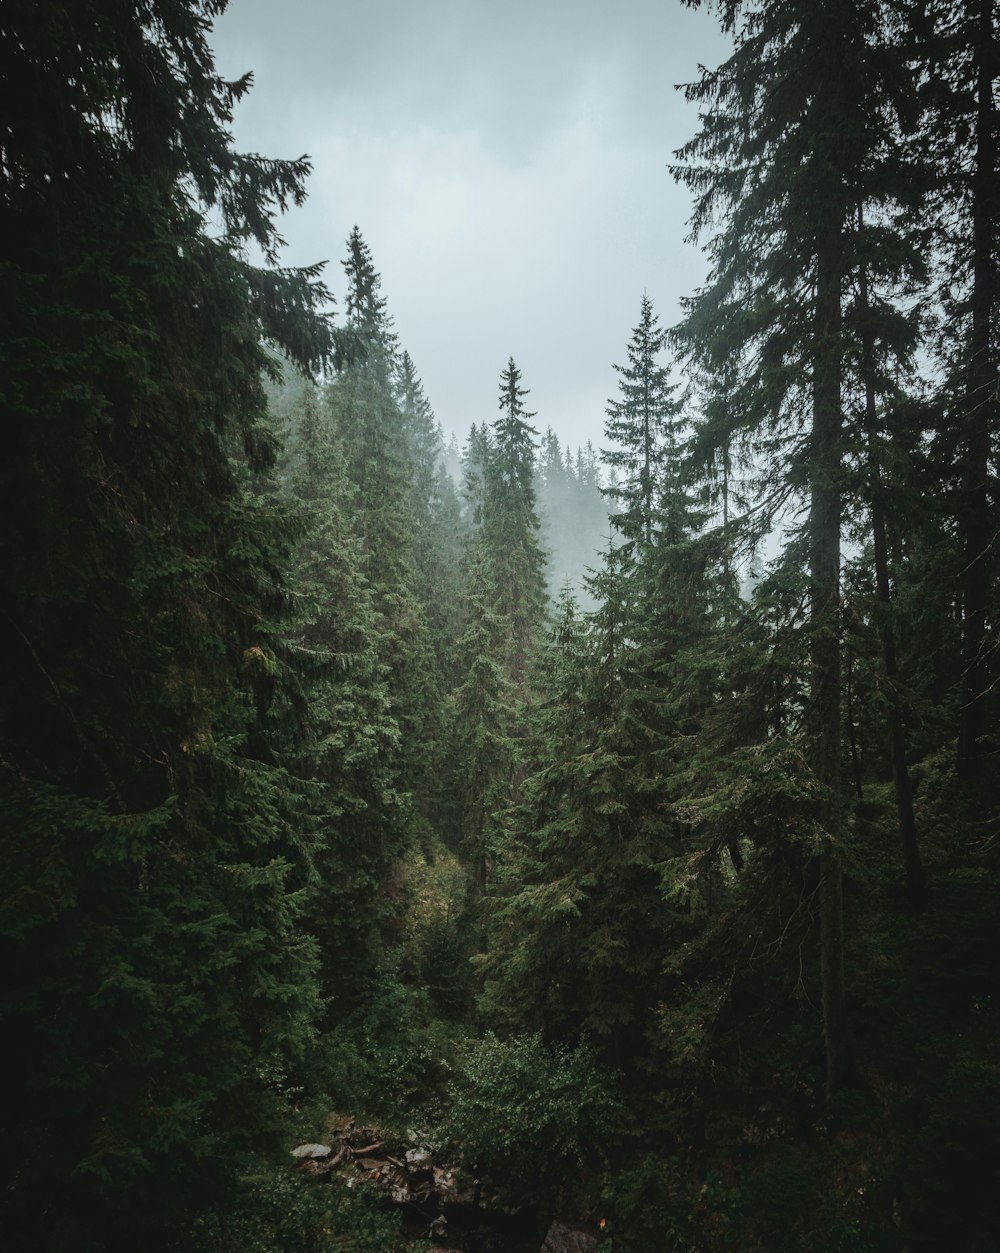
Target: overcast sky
[{"x": 507, "y": 165}]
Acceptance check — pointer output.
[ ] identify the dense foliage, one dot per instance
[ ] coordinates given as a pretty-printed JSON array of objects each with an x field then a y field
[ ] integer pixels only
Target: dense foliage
[{"x": 626, "y": 821}]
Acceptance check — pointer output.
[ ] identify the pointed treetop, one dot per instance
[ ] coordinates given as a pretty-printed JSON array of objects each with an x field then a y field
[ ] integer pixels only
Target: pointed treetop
[
  {"x": 511, "y": 395},
  {"x": 365, "y": 307},
  {"x": 642, "y": 427}
]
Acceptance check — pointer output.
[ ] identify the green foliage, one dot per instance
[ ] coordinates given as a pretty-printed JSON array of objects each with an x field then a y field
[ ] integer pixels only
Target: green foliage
[
  {"x": 287, "y": 761},
  {"x": 509, "y": 526},
  {"x": 437, "y": 939},
  {"x": 642, "y": 428},
  {"x": 279, "y": 1210},
  {"x": 381, "y": 422},
  {"x": 158, "y": 866},
  {"x": 525, "y": 1115},
  {"x": 390, "y": 1054},
  {"x": 646, "y": 1207}
]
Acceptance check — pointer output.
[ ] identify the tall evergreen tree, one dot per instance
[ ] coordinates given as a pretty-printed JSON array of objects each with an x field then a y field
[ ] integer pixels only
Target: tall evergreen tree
[
  {"x": 956, "y": 49},
  {"x": 370, "y": 426},
  {"x": 485, "y": 715},
  {"x": 436, "y": 512},
  {"x": 158, "y": 977},
  {"x": 795, "y": 138},
  {"x": 578, "y": 922},
  {"x": 352, "y": 748},
  {"x": 641, "y": 428},
  {"x": 510, "y": 525}
]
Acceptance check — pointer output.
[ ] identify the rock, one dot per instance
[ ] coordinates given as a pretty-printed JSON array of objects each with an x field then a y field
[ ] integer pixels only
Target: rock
[
  {"x": 569, "y": 1238},
  {"x": 418, "y": 1159},
  {"x": 312, "y": 1151},
  {"x": 317, "y": 1168}
]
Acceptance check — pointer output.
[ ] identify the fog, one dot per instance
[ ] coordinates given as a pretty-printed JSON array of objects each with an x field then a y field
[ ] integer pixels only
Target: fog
[{"x": 507, "y": 166}]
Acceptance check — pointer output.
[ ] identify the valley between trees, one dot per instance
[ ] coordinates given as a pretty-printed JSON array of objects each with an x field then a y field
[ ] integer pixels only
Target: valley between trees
[{"x": 610, "y": 834}]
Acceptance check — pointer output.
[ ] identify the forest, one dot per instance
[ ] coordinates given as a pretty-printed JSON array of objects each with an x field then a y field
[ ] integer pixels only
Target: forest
[{"x": 413, "y": 846}]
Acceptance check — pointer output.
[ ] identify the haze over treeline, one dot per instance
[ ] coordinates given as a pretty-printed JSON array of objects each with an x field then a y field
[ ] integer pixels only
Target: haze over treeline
[
  {"x": 507, "y": 166},
  {"x": 458, "y": 814}
]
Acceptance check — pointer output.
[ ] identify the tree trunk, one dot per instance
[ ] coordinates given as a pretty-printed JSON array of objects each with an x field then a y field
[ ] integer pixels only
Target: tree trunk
[
  {"x": 912, "y": 865},
  {"x": 825, "y": 525},
  {"x": 980, "y": 414}
]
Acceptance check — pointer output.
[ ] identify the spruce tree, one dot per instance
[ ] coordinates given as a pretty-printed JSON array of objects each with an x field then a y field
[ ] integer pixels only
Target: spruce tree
[
  {"x": 504, "y": 611},
  {"x": 795, "y": 137},
  {"x": 956, "y": 49},
  {"x": 363, "y": 404},
  {"x": 484, "y": 721},
  {"x": 640, "y": 428},
  {"x": 350, "y": 753},
  {"x": 435, "y": 509},
  {"x": 510, "y": 525},
  {"x": 578, "y": 925},
  {"x": 159, "y": 981}
]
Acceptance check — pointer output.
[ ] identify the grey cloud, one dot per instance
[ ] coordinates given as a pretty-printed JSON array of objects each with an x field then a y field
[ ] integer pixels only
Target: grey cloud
[{"x": 507, "y": 165}]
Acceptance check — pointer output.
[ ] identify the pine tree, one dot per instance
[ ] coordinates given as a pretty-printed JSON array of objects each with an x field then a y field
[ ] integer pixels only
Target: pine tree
[
  {"x": 578, "y": 925},
  {"x": 362, "y": 400},
  {"x": 641, "y": 428},
  {"x": 352, "y": 747},
  {"x": 159, "y": 979},
  {"x": 956, "y": 54},
  {"x": 510, "y": 526},
  {"x": 796, "y": 137}
]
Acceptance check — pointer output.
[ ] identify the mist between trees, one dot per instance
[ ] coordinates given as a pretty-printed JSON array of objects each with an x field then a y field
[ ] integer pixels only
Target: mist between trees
[{"x": 463, "y": 790}]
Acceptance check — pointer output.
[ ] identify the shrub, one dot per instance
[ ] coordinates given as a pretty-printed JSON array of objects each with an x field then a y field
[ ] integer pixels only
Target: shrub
[{"x": 525, "y": 1116}]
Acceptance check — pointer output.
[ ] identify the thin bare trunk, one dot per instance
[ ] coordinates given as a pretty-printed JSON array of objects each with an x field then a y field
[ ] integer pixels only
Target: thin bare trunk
[
  {"x": 825, "y": 524},
  {"x": 980, "y": 414},
  {"x": 912, "y": 865},
  {"x": 851, "y": 731}
]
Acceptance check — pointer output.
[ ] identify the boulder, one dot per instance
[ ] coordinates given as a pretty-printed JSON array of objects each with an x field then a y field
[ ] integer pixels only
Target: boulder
[
  {"x": 311, "y": 1151},
  {"x": 570, "y": 1238}
]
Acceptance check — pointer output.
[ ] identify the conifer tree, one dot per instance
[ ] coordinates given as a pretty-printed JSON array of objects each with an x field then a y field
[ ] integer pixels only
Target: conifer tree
[
  {"x": 956, "y": 53},
  {"x": 510, "y": 526},
  {"x": 578, "y": 926},
  {"x": 159, "y": 980},
  {"x": 887, "y": 340},
  {"x": 377, "y": 454},
  {"x": 352, "y": 749},
  {"x": 640, "y": 427},
  {"x": 810, "y": 92},
  {"x": 436, "y": 512},
  {"x": 504, "y": 610},
  {"x": 485, "y": 713}
]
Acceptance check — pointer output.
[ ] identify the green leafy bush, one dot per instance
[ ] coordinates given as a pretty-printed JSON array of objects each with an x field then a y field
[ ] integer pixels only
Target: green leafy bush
[
  {"x": 646, "y": 1207},
  {"x": 387, "y": 1055},
  {"x": 282, "y": 1211},
  {"x": 526, "y": 1116}
]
